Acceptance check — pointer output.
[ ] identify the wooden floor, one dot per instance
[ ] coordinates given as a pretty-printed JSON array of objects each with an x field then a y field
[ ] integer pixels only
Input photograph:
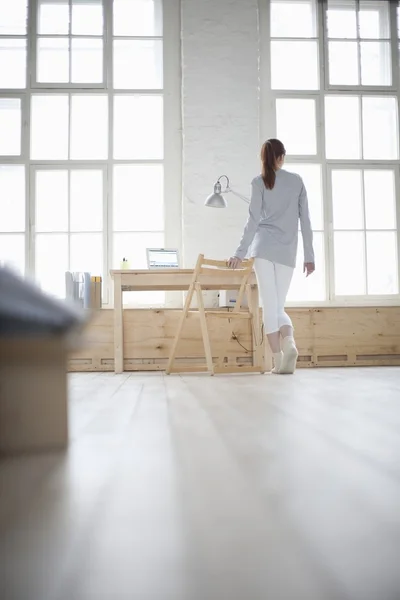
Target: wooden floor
[{"x": 224, "y": 488}]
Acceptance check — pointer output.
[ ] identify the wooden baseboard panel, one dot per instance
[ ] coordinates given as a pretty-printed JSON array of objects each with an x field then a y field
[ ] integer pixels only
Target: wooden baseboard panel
[{"x": 326, "y": 337}]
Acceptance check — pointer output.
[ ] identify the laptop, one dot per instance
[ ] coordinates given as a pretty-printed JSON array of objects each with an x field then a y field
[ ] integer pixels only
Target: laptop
[{"x": 162, "y": 258}]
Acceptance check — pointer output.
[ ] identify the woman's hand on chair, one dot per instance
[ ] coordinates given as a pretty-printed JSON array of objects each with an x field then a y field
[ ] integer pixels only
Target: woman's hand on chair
[
  {"x": 234, "y": 262},
  {"x": 309, "y": 268}
]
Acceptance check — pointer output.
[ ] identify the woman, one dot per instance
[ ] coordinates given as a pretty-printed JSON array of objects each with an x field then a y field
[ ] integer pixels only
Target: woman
[{"x": 278, "y": 200}]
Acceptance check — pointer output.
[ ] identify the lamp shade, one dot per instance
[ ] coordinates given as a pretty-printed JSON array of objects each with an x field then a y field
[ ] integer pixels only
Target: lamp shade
[{"x": 216, "y": 199}]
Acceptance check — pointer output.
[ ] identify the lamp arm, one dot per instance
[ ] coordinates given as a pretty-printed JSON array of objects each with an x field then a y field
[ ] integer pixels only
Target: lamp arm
[{"x": 238, "y": 195}]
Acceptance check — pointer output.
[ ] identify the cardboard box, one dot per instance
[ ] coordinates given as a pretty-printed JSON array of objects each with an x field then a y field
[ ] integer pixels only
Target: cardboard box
[{"x": 33, "y": 394}]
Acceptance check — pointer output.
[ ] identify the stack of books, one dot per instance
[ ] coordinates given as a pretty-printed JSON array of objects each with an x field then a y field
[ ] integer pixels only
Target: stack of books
[{"x": 83, "y": 289}]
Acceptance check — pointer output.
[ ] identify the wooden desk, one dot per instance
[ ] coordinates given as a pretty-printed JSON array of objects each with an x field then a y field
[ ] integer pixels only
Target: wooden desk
[{"x": 169, "y": 280}]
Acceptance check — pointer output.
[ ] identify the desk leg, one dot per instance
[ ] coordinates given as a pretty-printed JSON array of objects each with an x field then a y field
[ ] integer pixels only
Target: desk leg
[
  {"x": 118, "y": 326},
  {"x": 258, "y": 342},
  {"x": 267, "y": 355}
]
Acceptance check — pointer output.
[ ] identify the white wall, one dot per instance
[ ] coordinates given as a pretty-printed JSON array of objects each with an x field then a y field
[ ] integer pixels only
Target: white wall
[{"x": 220, "y": 105}]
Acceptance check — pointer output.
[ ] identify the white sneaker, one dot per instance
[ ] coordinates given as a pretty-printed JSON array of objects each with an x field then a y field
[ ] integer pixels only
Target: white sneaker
[
  {"x": 290, "y": 354},
  {"x": 278, "y": 356}
]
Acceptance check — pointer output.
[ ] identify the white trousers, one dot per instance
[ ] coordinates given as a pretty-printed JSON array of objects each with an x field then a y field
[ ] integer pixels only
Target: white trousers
[{"x": 273, "y": 285}]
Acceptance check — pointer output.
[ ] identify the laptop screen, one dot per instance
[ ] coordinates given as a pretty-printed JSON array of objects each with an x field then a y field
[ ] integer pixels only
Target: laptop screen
[{"x": 162, "y": 258}]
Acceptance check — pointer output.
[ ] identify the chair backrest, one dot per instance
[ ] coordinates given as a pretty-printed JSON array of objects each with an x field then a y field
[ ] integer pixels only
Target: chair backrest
[{"x": 220, "y": 268}]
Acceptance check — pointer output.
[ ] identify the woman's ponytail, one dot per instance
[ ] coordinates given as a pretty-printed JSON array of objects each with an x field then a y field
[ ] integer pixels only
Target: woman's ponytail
[{"x": 271, "y": 151}]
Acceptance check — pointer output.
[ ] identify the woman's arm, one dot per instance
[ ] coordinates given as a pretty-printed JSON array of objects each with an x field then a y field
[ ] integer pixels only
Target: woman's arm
[
  {"x": 305, "y": 224},
  {"x": 253, "y": 219}
]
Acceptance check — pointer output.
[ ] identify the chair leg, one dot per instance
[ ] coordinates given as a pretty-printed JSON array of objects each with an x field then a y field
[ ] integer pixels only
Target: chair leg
[
  {"x": 204, "y": 330},
  {"x": 179, "y": 330}
]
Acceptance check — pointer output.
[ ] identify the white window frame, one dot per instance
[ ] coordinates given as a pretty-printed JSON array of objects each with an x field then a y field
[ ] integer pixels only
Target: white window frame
[
  {"x": 172, "y": 132},
  {"x": 306, "y": 96},
  {"x": 70, "y": 92},
  {"x": 4, "y": 158},
  {"x": 32, "y": 49},
  {"x": 66, "y": 166},
  {"x": 366, "y": 166},
  {"x": 394, "y": 56},
  {"x": 268, "y": 129},
  {"x": 13, "y": 162},
  {"x": 360, "y": 95}
]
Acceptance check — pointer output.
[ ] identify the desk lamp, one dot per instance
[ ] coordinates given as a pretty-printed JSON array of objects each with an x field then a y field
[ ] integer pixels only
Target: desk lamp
[{"x": 216, "y": 200}]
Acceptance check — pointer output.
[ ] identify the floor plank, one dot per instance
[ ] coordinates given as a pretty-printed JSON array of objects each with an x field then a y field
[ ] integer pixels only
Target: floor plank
[{"x": 197, "y": 488}]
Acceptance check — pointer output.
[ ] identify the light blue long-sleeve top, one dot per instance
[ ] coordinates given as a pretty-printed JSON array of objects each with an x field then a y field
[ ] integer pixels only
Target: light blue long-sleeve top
[{"x": 272, "y": 227}]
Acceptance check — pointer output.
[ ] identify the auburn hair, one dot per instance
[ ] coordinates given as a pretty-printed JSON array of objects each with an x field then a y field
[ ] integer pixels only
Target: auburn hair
[{"x": 271, "y": 151}]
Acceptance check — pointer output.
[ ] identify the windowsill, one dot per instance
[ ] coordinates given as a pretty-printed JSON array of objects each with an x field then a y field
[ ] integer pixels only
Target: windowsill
[
  {"x": 337, "y": 304},
  {"x": 347, "y": 303}
]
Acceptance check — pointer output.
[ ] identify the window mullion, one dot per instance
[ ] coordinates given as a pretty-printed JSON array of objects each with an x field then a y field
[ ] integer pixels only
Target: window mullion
[
  {"x": 361, "y": 125},
  {"x": 394, "y": 45},
  {"x": 330, "y": 258},
  {"x": 31, "y": 42},
  {"x": 70, "y": 42},
  {"x": 69, "y": 125},
  {"x": 25, "y": 105},
  {"x": 69, "y": 219},
  {"x": 108, "y": 239},
  {"x": 364, "y": 216},
  {"x": 31, "y": 176},
  {"x": 327, "y": 197},
  {"x": 358, "y": 42},
  {"x": 323, "y": 45},
  {"x": 397, "y": 209},
  {"x": 30, "y": 266}
]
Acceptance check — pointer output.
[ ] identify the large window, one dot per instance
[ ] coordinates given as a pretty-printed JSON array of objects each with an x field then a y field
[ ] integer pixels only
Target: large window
[
  {"x": 332, "y": 73},
  {"x": 82, "y": 137}
]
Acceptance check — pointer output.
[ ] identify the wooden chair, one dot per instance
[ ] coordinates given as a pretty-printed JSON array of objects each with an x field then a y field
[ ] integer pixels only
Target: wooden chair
[{"x": 220, "y": 269}]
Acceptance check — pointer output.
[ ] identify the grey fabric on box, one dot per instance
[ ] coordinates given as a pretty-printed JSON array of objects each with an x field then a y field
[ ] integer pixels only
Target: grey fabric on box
[{"x": 26, "y": 310}]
